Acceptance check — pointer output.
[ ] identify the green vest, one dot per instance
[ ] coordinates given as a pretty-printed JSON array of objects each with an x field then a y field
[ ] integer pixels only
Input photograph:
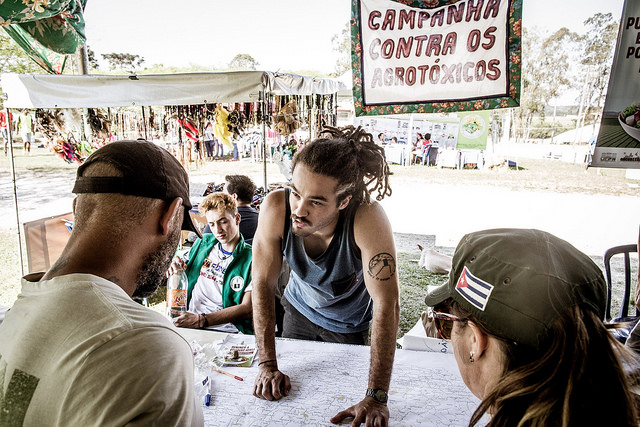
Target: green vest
[{"x": 239, "y": 268}]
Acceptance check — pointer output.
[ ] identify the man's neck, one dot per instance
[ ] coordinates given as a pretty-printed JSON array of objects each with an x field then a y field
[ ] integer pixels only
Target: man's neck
[{"x": 231, "y": 245}]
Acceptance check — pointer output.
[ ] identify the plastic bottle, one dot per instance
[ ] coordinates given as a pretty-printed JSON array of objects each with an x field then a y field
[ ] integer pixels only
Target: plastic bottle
[{"x": 177, "y": 285}]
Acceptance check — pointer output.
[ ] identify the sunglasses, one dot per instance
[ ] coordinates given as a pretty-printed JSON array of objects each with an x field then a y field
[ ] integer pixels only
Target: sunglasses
[{"x": 444, "y": 323}]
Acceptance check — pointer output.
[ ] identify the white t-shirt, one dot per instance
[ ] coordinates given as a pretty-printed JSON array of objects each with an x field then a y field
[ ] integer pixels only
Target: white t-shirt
[
  {"x": 206, "y": 296},
  {"x": 77, "y": 351}
]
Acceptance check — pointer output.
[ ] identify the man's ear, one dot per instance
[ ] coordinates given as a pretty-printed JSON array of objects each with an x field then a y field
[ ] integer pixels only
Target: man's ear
[
  {"x": 170, "y": 214},
  {"x": 343, "y": 204},
  {"x": 73, "y": 205},
  {"x": 238, "y": 219}
]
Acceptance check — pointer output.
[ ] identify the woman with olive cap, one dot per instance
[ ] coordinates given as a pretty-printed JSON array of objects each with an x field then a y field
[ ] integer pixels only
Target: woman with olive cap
[{"x": 523, "y": 311}]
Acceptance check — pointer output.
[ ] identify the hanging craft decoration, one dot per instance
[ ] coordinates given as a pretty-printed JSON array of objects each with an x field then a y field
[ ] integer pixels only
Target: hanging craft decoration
[
  {"x": 221, "y": 127},
  {"x": 188, "y": 125},
  {"x": 287, "y": 119}
]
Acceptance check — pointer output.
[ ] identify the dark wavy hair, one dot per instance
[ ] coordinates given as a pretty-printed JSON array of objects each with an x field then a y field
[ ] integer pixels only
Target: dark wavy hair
[
  {"x": 576, "y": 379},
  {"x": 350, "y": 156}
]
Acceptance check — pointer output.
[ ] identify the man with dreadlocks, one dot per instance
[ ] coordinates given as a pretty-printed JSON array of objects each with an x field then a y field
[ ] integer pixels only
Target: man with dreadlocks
[{"x": 340, "y": 248}]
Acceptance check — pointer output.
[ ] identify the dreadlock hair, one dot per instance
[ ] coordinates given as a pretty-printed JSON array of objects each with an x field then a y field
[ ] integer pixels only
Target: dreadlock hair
[
  {"x": 350, "y": 156},
  {"x": 578, "y": 378}
]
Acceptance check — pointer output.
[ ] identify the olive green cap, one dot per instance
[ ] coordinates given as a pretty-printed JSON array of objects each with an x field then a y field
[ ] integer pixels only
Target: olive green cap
[{"x": 517, "y": 281}]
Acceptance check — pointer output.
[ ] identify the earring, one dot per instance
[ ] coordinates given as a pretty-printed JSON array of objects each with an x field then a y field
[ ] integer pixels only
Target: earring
[{"x": 471, "y": 357}]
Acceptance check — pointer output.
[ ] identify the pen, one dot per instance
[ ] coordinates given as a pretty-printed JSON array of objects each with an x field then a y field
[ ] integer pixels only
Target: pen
[
  {"x": 207, "y": 396},
  {"x": 228, "y": 374}
]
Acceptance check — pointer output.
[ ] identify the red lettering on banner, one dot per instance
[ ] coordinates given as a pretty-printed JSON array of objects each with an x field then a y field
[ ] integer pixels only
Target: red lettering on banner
[
  {"x": 422, "y": 16},
  {"x": 437, "y": 18},
  {"x": 490, "y": 37},
  {"x": 408, "y": 18},
  {"x": 473, "y": 41},
  {"x": 389, "y": 19},
  {"x": 374, "y": 44},
  {"x": 448, "y": 74},
  {"x": 449, "y": 45},
  {"x": 388, "y": 77},
  {"x": 404, "y": 47},
  {"x": 434, "y": 44},
  {"x": 493, "y": 7},
  {"x": 475, "y": 10},
  {"x": 377, "y": 78},
  {"x": 466, "y": 68},
  {"x": 423, "y": 74},
  {"x": 387, "y": 48},
  {"x": 455, "y": 14},
  {"x": 374, "y": 14},
  {"x": 495, "y": 71},
  {"x": 481, "y": 70},
  {"x": 410, "y": 76},
  {"x": 399, "y": 76},
  {"x": 419, "y": 40}
]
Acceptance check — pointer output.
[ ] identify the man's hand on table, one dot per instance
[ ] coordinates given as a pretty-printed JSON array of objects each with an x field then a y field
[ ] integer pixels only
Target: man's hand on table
[
  {"x": 271, "y": 384},
  {"x": 186, "y": 319},
  {"x": 368, "y": 411}
]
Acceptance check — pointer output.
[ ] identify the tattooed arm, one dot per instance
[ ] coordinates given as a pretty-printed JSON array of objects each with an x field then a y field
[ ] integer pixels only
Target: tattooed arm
[{"x": 374, "y": 237}]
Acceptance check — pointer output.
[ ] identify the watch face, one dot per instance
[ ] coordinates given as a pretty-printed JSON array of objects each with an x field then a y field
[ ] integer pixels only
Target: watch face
[{"x": 378, "y": 394}]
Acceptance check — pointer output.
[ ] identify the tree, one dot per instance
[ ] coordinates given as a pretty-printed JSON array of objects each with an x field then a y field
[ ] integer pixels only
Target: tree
[
  {"x": 243, "y": 61},
  {"x": 342, "y": 45},
  {"x": 91, "y": 58},
  {"x": 123, "y": 61},
  {"x": 13, "y": 59},
  {"x": 598, "y": 46},
  {"x": 556, "y": 51}
]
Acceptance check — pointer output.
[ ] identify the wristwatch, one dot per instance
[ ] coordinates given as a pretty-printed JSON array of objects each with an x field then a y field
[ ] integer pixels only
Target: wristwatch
[{"x": 378, "y": 394}]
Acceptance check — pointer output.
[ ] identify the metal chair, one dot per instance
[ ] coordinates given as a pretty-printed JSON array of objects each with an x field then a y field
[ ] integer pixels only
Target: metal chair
[{"x": 625, "y": 250}]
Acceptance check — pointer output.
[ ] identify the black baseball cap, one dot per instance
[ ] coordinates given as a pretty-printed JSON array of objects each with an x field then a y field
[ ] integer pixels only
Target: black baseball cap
[
  {"x": 147, "y": 171},
  {"x": 518, "y": 281}
]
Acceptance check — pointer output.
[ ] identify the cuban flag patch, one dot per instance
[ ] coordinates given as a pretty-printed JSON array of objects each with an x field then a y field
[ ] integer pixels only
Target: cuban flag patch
[{"x": 476, "y": 291}]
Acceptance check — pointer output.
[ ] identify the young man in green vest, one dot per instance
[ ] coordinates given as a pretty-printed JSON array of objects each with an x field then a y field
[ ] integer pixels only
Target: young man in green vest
[{"x": 218, "y": 267}]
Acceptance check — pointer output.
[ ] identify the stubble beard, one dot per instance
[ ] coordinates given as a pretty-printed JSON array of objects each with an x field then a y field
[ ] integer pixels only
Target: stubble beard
[{"x": 155, "y": 266}]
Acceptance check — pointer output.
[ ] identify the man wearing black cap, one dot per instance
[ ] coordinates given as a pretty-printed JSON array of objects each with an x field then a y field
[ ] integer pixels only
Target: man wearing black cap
[{"x": 75, "y": 349}]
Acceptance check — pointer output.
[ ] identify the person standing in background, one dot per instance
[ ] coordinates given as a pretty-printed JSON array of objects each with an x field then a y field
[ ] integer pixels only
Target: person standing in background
[
  {"x": 209, "y": 140},
  {"x": 25, "y": 129},
  {"x": 4, "y": 129}
]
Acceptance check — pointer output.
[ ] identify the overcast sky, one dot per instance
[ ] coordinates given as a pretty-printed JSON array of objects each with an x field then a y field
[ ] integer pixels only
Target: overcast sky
[{"x": 280, "y": 35}]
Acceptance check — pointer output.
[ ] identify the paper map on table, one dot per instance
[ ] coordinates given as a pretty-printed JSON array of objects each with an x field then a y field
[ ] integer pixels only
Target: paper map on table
[{"x": 426, "y": 388}]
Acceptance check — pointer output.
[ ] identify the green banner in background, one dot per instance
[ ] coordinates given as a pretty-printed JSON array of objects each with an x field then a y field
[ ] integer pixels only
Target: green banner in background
[{"x": 473, "y": 130}]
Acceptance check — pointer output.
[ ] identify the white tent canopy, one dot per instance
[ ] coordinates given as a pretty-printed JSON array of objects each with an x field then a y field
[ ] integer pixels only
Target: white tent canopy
[
  {"x": 93, "y": 91},
  {"x": 96, "y": 91}
]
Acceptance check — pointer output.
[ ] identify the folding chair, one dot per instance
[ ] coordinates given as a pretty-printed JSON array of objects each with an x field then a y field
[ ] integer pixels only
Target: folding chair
[{"x": 625, "y": 250}]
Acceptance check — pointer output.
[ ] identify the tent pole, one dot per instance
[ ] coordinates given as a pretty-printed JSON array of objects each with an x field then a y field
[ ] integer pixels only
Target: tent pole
[
  {"x": 144, "y": 123},
  {"x": 15, "y": 190},
  {"x": 264, "y": 139}
]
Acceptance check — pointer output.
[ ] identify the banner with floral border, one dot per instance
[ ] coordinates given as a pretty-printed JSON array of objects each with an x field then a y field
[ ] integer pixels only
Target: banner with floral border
[
  {"x": 46, "y": 30},
  {"x": 428, "y": 56}
]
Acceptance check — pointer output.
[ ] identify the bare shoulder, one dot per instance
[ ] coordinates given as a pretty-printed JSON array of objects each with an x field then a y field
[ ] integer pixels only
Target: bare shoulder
[
  {"x": 371, "y": 227},
  {"x": 370, "y": 214},
  {"x": 272, "y": 211}
]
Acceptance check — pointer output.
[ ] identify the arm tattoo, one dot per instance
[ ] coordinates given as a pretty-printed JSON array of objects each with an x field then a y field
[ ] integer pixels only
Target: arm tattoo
[{"x": 382, "y": 266}]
